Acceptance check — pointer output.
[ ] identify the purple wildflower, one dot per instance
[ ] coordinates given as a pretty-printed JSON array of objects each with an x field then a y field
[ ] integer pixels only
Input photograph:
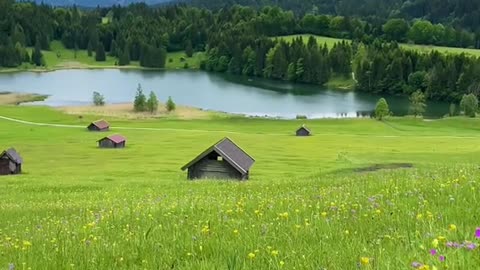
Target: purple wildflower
[
  {"x": 441, "y": 258},
  {"x": 477, "y": 233},
  {"x": 416, "y": 265},
  {"x": 471, "y": 246},
  {"x": 433, "y": 252}
]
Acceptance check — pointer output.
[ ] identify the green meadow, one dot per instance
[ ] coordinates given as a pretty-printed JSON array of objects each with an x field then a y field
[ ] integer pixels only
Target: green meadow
[
  {"x": 58, "y": 57},
  {"x": 421, "y": 48},
  {"x": 311, "y": 203}
]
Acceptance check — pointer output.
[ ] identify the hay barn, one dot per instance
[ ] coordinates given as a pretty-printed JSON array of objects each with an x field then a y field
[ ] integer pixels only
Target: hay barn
[
  {"x": 113, "y": 141},
  {"x": 100, "y": 125},
  {"x": 303, "y": 131},
  {"x": 223, "y": 160},
  {"x": 10, "y": 162}
]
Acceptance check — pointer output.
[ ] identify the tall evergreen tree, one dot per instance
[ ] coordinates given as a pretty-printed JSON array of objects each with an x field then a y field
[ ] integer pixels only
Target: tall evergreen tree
[{"x": 100, "y": 53}]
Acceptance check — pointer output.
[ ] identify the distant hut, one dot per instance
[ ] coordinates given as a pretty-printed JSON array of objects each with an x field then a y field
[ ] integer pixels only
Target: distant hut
[
  {"x": 223, "y": 160},
  {"x": 100, "y": 125},
  {"x": 10, "y": 162},
  {"x": 303, "y": 131},
  {"x": 113, "y": 141}
]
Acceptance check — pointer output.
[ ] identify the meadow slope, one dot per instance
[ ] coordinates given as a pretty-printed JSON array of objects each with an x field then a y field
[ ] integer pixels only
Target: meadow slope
[
  {"x": 305, "y": 207},
  {"x": 421, "y": 48}
]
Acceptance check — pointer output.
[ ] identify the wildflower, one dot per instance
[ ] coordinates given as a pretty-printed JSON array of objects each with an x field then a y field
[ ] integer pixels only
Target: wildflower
[
  {"x": 424, "y": 267},
  {"x": 282, "y": 263},
  {"x": 205, "y": 229},
  {"x": 471, "y": 246},
  {"x": 441, "y": 238},
  {"x": 11, "y": 266},
  {"x": 441, "y": 258},
  {"x": 433, "y": 252},
  {"x": 251, "y": 255},
  {"x": 477, "y": 233},
  {"x": 365, "y": 261},
  {"x": 452, "y": 227},
  {"x": 26, "y": 243},
  {"x": 378, "y": 212},
  {"x": 235, "y": 232},
  {"x": 347, "y": 232},
  {"x": 324, "y": 214},
  {"x": 284, "y": 215},
  {"x": 435, "y": 243},
  {"x": 274, "y": 252},
  {"x": 419, "y": 216},
  {"x": 416, "y": 265}
]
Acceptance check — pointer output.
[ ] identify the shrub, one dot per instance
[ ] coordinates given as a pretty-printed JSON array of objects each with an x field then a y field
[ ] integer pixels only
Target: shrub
[
  {"x": 170, "y": 105},
  {"x": 98, "y": 99},
  {"x": 381, "y": 110}
]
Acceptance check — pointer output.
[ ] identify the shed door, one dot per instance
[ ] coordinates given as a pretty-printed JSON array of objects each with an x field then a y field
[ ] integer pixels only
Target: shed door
[{"x": 4, "y": 166}]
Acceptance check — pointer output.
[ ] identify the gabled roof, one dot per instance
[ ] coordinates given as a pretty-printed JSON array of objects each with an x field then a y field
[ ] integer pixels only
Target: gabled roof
[
  {"x": 12, "y": 155},
  {"x": 230, "y": 152},
  {"x": 101, "y": 124},
  {"x": 115, "y": 138},
  {"x": 305, "y": 128}
]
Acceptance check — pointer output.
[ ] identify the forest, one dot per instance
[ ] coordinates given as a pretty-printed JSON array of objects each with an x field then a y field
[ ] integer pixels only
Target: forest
[{"x": 244, "y": 40}]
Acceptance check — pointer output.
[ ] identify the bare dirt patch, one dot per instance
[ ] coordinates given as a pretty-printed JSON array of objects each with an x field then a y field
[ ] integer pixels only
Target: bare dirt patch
[
  {"x": 125, "y": 111},
  {"x": 388, "y": 166}
]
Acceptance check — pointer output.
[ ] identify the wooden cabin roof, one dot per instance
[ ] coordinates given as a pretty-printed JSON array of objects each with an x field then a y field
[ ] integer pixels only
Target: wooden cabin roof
[
  {"x": 12, "y": 155},
  {"x": 101, "y": 124},
  {"x": 304, "y": 128},
  {"x": 114, "y": 138},
  {"x": 230, "y": 152}
]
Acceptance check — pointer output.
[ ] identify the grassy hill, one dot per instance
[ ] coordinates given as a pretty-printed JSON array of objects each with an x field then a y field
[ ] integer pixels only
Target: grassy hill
[
  {"x": 422, "y": 48},
  {"x": 311, "y": 203}
]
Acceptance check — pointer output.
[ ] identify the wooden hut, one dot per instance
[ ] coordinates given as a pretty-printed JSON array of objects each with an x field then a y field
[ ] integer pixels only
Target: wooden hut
[
  {"x": 10, "y": 162},
  {"x": 112, "y": 141},
  {"x": 100, "y": 125},
  {"x": 223, "y": 160},
  {"x": 303, "y": 131}
]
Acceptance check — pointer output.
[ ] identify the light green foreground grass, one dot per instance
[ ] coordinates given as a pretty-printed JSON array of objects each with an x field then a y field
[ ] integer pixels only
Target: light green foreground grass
[
  {"x": 58, "y": 57},
  {"x": 421, "y": 48},
  {"x": 79, "y": 207}
]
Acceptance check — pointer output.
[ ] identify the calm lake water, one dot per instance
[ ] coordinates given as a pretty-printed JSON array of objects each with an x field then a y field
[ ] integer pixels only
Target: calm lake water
[{"x": 250, "y": 96}]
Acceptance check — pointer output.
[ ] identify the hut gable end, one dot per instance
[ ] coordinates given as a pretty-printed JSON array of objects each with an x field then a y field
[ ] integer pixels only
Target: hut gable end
[
  {"x": 303, "y": 131},
  {"x": 10, "y": 162}
]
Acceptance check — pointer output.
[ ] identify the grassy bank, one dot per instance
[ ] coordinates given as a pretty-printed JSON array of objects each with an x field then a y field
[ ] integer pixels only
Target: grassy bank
[
  {"x": 58, "y": 57},
  {"x": 306, "y": 206},
  {"x": 9, "y": 98}
]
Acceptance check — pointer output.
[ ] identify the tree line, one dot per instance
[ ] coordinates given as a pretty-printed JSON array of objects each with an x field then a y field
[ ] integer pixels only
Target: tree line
[{"x": 238, "y": 40}]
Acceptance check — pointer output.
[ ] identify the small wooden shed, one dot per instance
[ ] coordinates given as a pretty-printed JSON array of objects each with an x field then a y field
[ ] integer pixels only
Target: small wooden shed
[
  {"x": 303, "y": 131},
  {"x": 10, "y": 162},
  {"x": 223, "y": 160},
  {"x": 112, "y": 141},
  {"x": 100, "y": 125}
]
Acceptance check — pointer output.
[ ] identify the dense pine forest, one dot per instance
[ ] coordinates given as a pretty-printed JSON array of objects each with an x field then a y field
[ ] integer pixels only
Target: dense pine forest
[{"x": 242, "y": 40}]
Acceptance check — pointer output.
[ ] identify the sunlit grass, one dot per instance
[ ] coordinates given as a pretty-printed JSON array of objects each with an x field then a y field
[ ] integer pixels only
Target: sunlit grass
[{"x": 77, "y": 206}]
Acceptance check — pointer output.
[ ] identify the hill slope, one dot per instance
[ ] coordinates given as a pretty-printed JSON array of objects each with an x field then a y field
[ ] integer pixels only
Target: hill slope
[{"x": 103, "y": 3}]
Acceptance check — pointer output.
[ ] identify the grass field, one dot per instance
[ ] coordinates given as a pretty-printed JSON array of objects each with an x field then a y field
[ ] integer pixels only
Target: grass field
[
  {"x": 58, "y": 57},
  {"x": 421, "y": 48},
  {"x": 305, "y": 206}
]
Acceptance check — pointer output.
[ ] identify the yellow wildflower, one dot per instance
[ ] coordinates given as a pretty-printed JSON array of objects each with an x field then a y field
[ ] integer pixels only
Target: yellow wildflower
[
  {"x": 365, "y": 261},
  {"x": 274, "y": 252},
  {"x": 251, "y": 255},
  {"x": 452, "y": 227},
  {"x": 282, "y": 263},
  {"x": 419, "y": 216},
  {"x": 435, "y": 243},
  {"x": 235, "y": 232},
  {"x": 324, "y": 214}
]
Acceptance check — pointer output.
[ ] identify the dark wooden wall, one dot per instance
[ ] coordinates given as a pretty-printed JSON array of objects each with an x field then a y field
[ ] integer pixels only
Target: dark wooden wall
[
  {"x": 214, "y": 169},
  {"x": 303, "y": 132}
]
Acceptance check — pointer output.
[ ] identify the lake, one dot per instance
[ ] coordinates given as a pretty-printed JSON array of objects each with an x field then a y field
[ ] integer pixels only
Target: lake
[{"x": 233, "y": 94}]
